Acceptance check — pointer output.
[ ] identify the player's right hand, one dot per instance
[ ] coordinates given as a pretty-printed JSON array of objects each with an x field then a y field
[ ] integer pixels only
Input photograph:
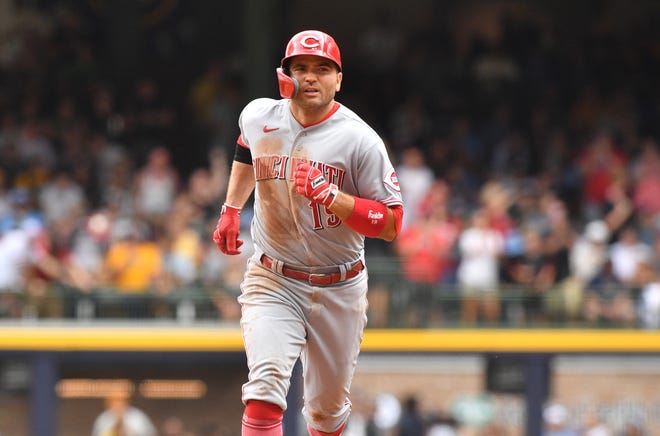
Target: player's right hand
[
  {"x": 309, "y": 181},
  {"x": 226, "y": 231}
]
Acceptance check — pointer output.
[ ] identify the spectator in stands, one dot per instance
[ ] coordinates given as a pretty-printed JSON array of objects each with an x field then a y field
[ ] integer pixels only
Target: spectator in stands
[
  {"x": 608, "y": 303},
  {"x": 592, "y": 425},
  {"x": 183, "y": 243},
  {"x": 556, "y": 421},
  {"x": 117, "y": 193},
  {"x": 201, "y": 192},
  {"x": 62, "y": 198},
  {"x": 532, "y": 272},
  {"x": 627, "y": 254},
  {"x": 645, "y": 172},
  {"x": 591, "y": 265},
  {"x": 89, "y": 245},
  {"x": 480, "y": 247},
  {"x": 104, "y": 156},
  {"x": 415, "y": 179},
  {"x": 618, "y": 209},
  {"x": 442, "y": 427},
  {"x": 645, "y": 175},
  {"x": 15, "y": 256},
  {"x": 222, "y": 276},
  {"x": 589, "y": 253},
  {"x": 27, "y": 264},
  {"x": 133, "y": 269},
  {"x": 564, "y": 299},
  {"x": 425, "y": 249},
  {"x": 588, "y": 261},
  {"x": 121, "y": 418},
  {"x": 442, "y": 423},
  {"x": 601, "y": 164},
  {"x": 648, "y": 304},
  {"x": 497, "y": 200},
  {"x": 411, "y": 422},
  {"x": 206, "y": 185},
  {"x": 156, "y": 188}
]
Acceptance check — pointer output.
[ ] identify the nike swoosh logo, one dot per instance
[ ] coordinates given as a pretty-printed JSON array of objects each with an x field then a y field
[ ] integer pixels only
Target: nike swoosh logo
[{"x": 270, "y": 129}]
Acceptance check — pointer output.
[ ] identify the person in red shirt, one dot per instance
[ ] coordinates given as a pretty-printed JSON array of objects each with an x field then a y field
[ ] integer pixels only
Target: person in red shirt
[
  {"x": 601, "y": 165},
  {"x": 425, "y": 249}
]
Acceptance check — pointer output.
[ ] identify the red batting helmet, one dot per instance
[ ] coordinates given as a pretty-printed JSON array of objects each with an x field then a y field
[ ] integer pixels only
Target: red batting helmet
[
  {"x": 312, "y": 42},
  {"x": 307, "y": 42}
]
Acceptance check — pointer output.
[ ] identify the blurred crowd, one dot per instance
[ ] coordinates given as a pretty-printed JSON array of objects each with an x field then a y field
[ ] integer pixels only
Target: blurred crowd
[
  {"x": 528, "y": 160},
  {"x": 387, "y": 415}
]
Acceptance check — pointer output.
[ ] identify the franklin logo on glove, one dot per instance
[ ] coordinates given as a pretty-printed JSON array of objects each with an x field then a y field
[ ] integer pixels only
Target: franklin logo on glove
[{"x": 317, "y": 182}]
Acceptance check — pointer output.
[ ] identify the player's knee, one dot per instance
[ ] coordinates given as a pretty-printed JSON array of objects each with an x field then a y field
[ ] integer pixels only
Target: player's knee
[
  {"x": 326, "y": 421},
  {"x": 314, "y": 432}
]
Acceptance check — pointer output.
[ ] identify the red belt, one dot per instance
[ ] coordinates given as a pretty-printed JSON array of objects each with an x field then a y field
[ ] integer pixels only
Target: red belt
[{"x": 325, "y": 279}]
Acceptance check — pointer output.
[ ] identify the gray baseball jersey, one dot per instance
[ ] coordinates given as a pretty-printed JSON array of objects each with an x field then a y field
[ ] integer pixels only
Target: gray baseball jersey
[
  {"x": 348, "y": 152},
  {"x": 282, "y": 317}
]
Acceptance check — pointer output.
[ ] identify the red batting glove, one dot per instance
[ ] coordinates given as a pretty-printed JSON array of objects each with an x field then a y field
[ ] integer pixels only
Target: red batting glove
[
  {"x": 310, "y": 182},
  {"x": 226, "y": 232}
]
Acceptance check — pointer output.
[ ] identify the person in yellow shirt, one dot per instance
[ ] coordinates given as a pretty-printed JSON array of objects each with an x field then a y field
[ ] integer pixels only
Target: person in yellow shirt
[{"x": 134, "y": 266}]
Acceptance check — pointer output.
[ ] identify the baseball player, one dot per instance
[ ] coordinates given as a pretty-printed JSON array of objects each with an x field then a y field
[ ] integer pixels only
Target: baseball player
[{"x": 322, "y": 181}]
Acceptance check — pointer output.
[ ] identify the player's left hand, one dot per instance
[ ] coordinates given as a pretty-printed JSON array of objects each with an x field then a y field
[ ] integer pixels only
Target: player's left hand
[{"x": 310, "y": 182}]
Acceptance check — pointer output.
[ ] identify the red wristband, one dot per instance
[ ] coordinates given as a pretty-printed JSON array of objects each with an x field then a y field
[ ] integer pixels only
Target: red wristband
[
  {"x": 230, "y": 210},
  {"x": 368, "y": 217}
]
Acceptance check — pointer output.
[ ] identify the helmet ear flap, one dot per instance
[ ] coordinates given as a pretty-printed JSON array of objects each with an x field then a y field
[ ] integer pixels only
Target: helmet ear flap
[{"x": 288, "y": 85}]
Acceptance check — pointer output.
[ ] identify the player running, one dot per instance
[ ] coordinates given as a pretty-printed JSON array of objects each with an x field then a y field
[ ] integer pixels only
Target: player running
[{"x": 322, "y": 181}]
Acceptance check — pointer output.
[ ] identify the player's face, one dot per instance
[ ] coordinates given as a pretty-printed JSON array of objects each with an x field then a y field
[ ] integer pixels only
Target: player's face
[{"x": 319, "y": 81}]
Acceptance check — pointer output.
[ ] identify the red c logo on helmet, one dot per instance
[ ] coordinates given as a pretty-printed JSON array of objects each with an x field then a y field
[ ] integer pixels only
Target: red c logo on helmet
[{"x": 313, "y": 44}]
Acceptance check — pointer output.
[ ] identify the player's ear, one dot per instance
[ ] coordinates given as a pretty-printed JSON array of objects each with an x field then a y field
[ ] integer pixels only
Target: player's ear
[{"x": 339, "y": 77}]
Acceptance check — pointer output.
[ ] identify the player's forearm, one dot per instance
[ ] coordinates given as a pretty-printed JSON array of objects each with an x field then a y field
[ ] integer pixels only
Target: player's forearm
[
  {"x": 344, "y": 207},
  {"x": 241, "y": 184}
]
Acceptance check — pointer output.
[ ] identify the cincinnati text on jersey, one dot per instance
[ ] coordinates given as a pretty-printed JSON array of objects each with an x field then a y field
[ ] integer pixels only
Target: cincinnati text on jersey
[{"x": 282, "y": 167}]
